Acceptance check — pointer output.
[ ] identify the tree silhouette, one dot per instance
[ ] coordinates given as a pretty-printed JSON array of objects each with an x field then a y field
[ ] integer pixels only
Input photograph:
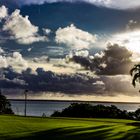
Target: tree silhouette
[
  {"x": 84, "y": 110},
  {"x": 5, "y": 106},
  {"x": 135, "y": 73}
]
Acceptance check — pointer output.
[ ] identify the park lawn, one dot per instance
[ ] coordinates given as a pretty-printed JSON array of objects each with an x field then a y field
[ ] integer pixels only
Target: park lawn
[{"x": 33, "y": 128}]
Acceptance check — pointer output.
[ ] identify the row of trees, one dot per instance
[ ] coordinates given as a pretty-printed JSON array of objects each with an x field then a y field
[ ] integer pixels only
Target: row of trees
[{"x": 98, "y": 111}]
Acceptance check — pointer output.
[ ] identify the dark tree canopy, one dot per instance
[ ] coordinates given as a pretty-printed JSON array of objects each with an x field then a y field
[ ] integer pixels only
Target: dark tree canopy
[
  {"x": 90, "y": 111},
  {"x": 5, "y": 106}
]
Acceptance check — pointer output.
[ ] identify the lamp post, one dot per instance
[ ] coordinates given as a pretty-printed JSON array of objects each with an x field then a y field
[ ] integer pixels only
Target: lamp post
[{"x": 25, "y": 93}]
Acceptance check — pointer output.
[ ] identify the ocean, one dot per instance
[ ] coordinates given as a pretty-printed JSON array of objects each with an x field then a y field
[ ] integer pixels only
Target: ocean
[{"x": 39, "y": 107}]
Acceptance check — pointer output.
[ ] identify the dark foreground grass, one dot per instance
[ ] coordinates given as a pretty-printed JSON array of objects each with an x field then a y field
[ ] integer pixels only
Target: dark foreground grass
[{"x": 30, "y": 128}]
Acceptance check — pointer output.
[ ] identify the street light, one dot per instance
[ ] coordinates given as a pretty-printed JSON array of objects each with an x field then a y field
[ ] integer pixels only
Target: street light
[{"x": 25, "y": 93}]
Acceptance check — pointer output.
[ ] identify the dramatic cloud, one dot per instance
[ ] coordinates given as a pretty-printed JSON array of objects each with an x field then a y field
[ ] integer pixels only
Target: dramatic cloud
[
  {"x": 129, "y": 39},
  {"x": 21, "y": 29},
  {"x": 116, "y": 4},
  {"x": 3, "y": 12},
  {"x": 112, "y": 61},
  {"x": 118, "y": 84},
  {"x": 49, "y": 81},
  {"x": 74, "y": 37},
  {"x": 74, "y": 84},
  {"x": 59, "y": 66}
]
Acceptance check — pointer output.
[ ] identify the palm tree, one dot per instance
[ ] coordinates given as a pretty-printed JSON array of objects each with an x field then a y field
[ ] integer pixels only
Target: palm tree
[{"x": 135, "y": 72}]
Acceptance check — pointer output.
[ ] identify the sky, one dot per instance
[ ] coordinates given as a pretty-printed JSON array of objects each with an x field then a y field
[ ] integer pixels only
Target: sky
[{"x": 69, "y": 49}]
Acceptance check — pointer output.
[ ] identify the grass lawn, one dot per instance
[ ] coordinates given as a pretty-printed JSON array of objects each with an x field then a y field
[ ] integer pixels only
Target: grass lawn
[{"x": 31, "y": 128}]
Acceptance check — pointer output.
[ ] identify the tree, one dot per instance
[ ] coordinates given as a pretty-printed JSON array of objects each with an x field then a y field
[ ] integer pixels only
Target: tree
[
  {"x": 5, "y": 106},
  {"x": 135, "y": 73}
]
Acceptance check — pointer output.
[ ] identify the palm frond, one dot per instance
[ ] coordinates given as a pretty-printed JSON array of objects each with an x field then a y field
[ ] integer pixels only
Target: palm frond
[
  {"x": 133, "y": 70},
  {"x": 138, "y": 65},
  {"x": 136, "y": 76},
  {"x": 136, "y": 68}
]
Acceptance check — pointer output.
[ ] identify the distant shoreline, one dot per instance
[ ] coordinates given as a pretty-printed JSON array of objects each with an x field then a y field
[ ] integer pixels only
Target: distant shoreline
[{"x": 75, "y": 101}]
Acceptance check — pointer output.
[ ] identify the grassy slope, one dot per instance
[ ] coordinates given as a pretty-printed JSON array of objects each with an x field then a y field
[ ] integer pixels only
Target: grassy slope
[{"x": 20, "y": 128}]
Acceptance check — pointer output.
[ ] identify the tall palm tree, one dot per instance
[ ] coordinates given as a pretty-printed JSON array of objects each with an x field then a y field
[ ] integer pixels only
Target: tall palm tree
[{"x": 135, "y": 73}]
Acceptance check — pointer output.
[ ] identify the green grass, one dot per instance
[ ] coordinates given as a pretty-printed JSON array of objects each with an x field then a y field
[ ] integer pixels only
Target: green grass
[{"x": 31, "y": 128}]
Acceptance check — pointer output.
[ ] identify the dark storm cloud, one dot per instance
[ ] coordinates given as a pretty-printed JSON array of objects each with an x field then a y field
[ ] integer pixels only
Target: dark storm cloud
[
  {"x": 118, "y": 84},
  {"x": 49, "y": 81},
  {"x": 75, "y": 84},
  {"x": 112, "y": 61}
]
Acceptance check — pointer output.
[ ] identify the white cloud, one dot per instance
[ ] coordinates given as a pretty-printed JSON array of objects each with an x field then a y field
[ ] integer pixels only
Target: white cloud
[
  {"x": 116, "y": 4},
  {"x": 3, "y": 12},
  {"x": 1, "y": 50},
  {"x": 3, "y": 61},
  {"x": 42, "y": 59},
  {"x": 17, "y": 81},
  {"x": 15, "y": 60},
  {"x": 21, "y": 29},
  {"x": 46, "y": 31},
  {"x": 74, "y": 37},
  {"x": 29, "y": 49},
  {"x": 59, "y": 66},
  {"x": 32, "y": 39},
  {"x": 99, "y": 83},
  {"x": 82, "y": 53},
  {"x": 20, "y": 26},
  {"x": 99, "y": 55}
]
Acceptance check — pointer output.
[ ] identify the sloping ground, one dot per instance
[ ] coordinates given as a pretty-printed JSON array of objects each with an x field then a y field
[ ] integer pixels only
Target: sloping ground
[{"x": 31, "y": 128}]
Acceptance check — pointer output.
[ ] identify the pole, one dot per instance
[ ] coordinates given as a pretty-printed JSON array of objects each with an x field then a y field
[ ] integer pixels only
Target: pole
[{"x": 25, "y": 93}]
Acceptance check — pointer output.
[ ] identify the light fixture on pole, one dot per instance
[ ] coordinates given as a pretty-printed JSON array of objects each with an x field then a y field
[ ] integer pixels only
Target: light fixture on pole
[{"x": 25, "y": 93}]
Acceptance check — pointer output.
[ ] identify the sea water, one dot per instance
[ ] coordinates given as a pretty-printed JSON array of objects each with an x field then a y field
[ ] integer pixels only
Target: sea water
[{"x": 38, "y": 108}]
